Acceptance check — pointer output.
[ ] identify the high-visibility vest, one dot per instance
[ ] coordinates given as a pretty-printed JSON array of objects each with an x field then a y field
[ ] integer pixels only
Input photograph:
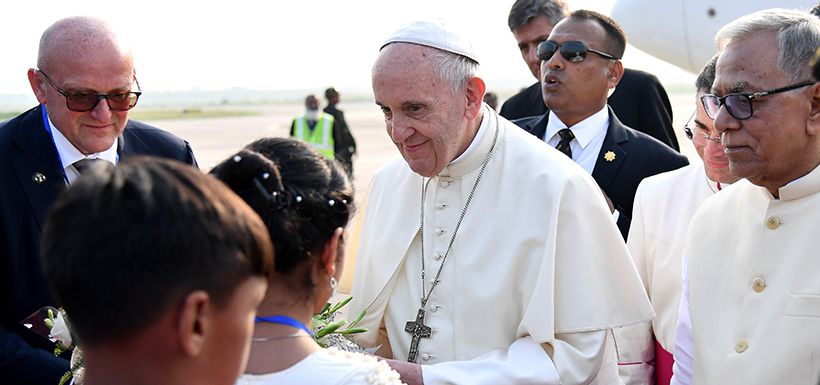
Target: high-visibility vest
[{"x": 321, "y": 137}]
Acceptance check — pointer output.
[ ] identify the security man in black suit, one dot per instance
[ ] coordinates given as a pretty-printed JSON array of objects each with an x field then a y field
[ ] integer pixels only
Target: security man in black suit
[
  {"x": 85, "y": 84},
  {"x": 639, "y": 101},
  {"x": 580, "y": 64}
]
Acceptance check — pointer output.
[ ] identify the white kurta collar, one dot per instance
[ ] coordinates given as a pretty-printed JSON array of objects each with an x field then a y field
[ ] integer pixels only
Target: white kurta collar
[
  {"x": 474, "y": 155},
  {"x": 801, "y": 187}
]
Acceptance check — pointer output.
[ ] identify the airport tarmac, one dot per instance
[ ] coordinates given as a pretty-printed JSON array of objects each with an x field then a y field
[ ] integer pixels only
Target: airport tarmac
[{"x": 214, "y": 139}]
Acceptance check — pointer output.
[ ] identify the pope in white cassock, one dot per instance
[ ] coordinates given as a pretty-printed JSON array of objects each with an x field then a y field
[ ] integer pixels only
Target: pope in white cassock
[{"x": 486, "y": 255}]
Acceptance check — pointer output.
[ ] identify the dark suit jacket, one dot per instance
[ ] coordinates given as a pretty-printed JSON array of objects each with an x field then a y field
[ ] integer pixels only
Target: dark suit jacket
[
  {"x": 639, "y": 101},
  {"x": 346, "y": 146},
  {"x": 636, "y": 156},
  {"x": 26, "y": 148}
]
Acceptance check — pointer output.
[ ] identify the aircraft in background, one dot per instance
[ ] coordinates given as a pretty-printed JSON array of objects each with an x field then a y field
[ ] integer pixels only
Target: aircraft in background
[{"x": 682, "y": 32}]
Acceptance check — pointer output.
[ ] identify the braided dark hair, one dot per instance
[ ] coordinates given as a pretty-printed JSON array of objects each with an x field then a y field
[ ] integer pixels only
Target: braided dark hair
[{"x": 302, "y": 196}]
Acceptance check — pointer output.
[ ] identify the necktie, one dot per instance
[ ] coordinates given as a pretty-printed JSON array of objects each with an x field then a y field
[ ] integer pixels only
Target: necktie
[
  {"x": 87, "y": 164},
  {"x": 563, "y": 145}
]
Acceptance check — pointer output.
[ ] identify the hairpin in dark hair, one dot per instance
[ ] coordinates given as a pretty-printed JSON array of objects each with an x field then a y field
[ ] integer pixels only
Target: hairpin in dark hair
[{"x": 278, "y": 199}]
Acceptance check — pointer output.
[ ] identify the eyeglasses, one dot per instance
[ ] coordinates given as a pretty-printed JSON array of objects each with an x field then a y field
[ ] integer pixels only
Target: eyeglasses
[
  {"x": 574, "y": 51},
  {"x": 739, "y": 104},
  {"x": 698, "y": 134},
  {"x": 85, "y": 101}
]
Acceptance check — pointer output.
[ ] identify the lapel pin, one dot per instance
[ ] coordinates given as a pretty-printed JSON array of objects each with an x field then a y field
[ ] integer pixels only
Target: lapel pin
[
  {"x": 38, "y": 178},
  {"x": 609, "y": 156}
]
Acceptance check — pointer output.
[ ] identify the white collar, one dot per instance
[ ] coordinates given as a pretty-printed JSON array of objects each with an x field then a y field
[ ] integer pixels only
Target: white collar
[
  {"x": 69, "y": 154},
  {"x": 474, "y": 155},
  {"x": 585, "y": 131}
]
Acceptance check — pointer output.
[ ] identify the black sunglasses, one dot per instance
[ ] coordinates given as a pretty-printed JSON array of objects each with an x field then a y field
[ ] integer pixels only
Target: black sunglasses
[
  {"x": 574, "y": 51},
  {"x": 739, "y": 104},
  {"x": 85, "y": 101}
]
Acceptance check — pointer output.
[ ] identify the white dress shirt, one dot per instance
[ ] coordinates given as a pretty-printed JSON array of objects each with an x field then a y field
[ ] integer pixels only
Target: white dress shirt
[
  {"x": 69, "y": 154},
  {"x": 589, "y": 137}
]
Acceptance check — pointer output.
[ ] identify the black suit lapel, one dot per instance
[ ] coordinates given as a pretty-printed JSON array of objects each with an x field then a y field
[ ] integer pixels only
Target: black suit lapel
[
  {"x": 612, "y": 155},
  {"x": 539, "y": 127},
  {"x": 37, "y": 165}
]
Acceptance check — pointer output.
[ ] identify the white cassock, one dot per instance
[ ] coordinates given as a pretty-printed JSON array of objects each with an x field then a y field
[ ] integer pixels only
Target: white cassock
[
  {"x": 753, "y": 291},
  {"x": 536, "y": 279},
  {"x": 664, "y": 205}
]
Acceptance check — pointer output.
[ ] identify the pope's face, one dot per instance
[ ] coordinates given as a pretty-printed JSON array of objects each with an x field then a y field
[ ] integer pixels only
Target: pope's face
[
  {"x": 770, "y": 148},
  {"x": 424, "y": 117},
  {"x": 101, "y": 73}
]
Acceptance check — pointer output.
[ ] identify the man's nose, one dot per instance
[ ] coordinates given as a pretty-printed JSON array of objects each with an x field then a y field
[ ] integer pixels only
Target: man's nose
[
  {"x": 101, "y": 112},
  {"x": 532, "y": 54},
  {"x": 724, "y": 120},
  {"x": 400, "y": 129}
]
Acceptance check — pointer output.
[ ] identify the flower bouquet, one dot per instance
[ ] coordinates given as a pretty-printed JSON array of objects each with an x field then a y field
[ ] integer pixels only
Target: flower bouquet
[
  {"x": 328, "y": 331},
  {"x": 58, "y": 329}
]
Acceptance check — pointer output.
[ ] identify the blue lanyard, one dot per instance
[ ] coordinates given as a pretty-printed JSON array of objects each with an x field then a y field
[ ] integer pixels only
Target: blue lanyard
[
  {"x": 285, "y": 320},
  {"x": 51, "y": 135}
]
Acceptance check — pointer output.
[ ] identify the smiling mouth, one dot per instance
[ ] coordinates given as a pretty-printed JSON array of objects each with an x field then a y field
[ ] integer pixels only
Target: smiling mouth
[{"x": 412, "y": 147}]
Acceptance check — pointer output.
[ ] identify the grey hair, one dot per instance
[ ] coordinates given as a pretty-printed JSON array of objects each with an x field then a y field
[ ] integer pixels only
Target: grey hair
[
  {"x": 798, "y": 36},
  {"x": 452, "y": 68},
  {"x": 523, "y": 11}
]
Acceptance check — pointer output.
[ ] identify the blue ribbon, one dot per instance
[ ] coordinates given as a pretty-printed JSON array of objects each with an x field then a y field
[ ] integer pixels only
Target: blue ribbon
[{"x": 285, "y": 320}]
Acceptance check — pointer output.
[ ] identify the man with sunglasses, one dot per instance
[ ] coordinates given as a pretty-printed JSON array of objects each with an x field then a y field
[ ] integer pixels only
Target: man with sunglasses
[
  {"x": 750, "y": 307},
  {"x": 85, "y": 84},
  {"x": 639, "y": 101},
  {"x": 579, "y": 65},
  {"x": 664, "y": 206}
]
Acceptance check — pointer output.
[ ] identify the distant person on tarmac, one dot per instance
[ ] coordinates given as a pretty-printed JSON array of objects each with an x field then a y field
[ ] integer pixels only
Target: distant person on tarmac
[
  {"x": 318, "y": 129},
  {"x": 346, "y": 147}
]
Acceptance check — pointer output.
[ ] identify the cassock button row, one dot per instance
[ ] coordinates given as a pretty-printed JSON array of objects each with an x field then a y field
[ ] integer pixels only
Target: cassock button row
[
  {"x": 444, "y": 183},
  {"x": 440, "y": 231},
  {"x": 741, "y": 346},
  {"x": 758, "y": 284},
  {"x": 437, "y": 256},
  {"x": 773, "y": 222},
  {"x": 441, "y": 206}
]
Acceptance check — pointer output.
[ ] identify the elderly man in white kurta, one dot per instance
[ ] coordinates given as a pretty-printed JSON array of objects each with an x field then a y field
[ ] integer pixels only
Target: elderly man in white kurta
[
  {"x": 487, "y": 256},
  {"x": 750, "y": 310},
  {"x": 664, "y": 205}
]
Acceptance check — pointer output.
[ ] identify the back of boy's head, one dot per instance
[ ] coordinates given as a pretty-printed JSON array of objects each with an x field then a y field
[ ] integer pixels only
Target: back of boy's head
[{"x": 123, "y": 246}]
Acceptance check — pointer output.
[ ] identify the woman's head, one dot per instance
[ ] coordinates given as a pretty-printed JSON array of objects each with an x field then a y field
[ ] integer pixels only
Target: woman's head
[{"x": 303, "y": 197}]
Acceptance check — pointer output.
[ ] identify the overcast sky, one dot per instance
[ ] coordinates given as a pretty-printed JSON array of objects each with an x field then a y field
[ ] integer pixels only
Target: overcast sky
[{"x": 207, "y": 45}]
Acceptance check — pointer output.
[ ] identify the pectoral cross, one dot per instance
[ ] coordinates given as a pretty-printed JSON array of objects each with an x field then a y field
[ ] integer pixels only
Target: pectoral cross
[{"x": 418, "y": 330}]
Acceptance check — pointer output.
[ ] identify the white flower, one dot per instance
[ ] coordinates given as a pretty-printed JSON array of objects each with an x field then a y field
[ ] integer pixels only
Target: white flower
[
  {"x": 59, "y": 331},
  {"x": 79, "y": 376}
]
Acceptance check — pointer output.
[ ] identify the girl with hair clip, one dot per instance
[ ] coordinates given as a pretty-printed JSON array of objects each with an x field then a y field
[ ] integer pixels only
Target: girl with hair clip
[{"x": 306, "y": 200}]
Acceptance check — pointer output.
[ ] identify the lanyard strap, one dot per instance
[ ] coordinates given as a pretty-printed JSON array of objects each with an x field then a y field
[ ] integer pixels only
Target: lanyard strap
[
  {"x": 47, "y": 126},
  {"x": 285, "y": 320}
]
